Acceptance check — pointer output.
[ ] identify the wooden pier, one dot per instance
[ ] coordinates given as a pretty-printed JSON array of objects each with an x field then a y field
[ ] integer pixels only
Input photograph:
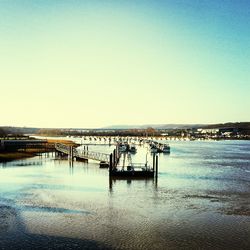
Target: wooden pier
[
  {"x": 84, "y": 154},
  {"x": 110, "y": 140},
  {"x": 111, "y": 161},
  {"x": 137, "y": 170}
]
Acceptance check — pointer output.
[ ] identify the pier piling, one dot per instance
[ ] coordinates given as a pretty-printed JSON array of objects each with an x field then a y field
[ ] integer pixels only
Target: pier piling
[
  {"x": 154, "y": 162},
  {"x": 114, "y": 157},
  {"x": 156, "y": 167},
  {"x": 110, "y": 163}
]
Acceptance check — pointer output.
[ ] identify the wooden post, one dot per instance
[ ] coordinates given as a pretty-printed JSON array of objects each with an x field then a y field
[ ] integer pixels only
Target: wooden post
[
  {"x": 70, "y": 153},
  {"x": 114, "y": 158},
  {"x": 156, "y": 166},
  {"x": 110, "y": 183},
  {"x": 110, "y": 163},
  {"x": 154, "y": 162},
  {"x": 117, "y": 152}
]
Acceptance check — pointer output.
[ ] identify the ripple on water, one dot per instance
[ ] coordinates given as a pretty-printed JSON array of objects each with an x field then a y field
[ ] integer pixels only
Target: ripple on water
[
  {"x": 200, "y": 202},
  {"x": 52, "y": 210}
]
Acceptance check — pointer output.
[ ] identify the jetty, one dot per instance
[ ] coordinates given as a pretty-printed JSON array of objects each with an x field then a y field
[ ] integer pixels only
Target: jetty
[
  {"x": 112, "y": 161},
  {"x": 84, "y": 154},
  {"x": 133, "y": 170},
  {"x": 155, "y": 145}
]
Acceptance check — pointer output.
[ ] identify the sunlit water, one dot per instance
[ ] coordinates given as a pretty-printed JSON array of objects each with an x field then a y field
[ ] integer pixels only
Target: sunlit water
[{"x": 200, "y": 201}]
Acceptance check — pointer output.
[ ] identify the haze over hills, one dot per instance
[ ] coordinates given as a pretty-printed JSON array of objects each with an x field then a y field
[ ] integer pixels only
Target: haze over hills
[
  {"x": 237, "y": 125},
  {"x": 183, "y": 126},
  {"x": 155, "y": 126}
]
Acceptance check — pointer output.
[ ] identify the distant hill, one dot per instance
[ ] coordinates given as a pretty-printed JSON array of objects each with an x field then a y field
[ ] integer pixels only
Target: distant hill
[
  {"x": 19, "y": 130},
  {"x": 242, "y": 125},
  {"x": 156, "y": 126},
  {"x": 237, "y": 125}
]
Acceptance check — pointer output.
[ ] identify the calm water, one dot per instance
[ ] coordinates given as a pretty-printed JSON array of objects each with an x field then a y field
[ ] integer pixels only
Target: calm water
[{"x": 200, "y": 201}]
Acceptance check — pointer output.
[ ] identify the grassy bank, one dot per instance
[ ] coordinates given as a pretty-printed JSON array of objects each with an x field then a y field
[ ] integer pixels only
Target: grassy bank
[
  {"x": 67, "y": 142},
  {"x": 31, "y": 152},
  {"x": 10, "y": 156}
]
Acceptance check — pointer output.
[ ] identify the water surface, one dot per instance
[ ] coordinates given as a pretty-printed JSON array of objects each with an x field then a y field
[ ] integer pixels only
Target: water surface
[{"x": 199, "y": 201}]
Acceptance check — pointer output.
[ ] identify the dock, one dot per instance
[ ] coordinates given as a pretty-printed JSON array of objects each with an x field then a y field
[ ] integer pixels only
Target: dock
[
  {"x": 158, "y": 147},
  {"x": 133, "y": 170},
  {"x": 111, "y": 161},
  {"x": 85, "y": 154}
]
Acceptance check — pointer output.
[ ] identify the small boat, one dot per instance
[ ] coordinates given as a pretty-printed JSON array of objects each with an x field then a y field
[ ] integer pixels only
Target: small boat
[
  {"x": 153, "y": 149},
  {"x": 133, "y": 173},
  {"x": 104, "y": 164},
  {"x": 165, "y": 148},
  {"x": 137, "y": 170},
  {"x": 123, "y": 148},
  {"x": 132, "y": 149}
]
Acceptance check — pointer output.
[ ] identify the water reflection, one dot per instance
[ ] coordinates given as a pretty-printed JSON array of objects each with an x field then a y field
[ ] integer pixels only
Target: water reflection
[
  {"x": 50, "y": 209},
  {"x": 22, "y": 163},
  {"x": 200, "y": 199},
  {"x": 113, "y": 181}
]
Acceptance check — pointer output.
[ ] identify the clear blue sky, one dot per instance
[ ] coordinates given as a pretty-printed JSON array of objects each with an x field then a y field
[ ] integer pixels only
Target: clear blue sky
[{"x": 98, "y": 63}]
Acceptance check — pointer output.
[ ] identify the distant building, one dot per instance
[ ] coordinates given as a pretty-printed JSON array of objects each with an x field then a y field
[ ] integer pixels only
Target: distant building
[
  {"x": 227, "y": 134},
  {"x": 232, "y": 130},
  {"x": 208, "y": 131}
]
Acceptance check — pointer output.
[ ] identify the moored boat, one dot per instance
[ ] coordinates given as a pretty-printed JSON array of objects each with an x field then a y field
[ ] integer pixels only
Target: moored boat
[
  {"x": 104, "y": 164},
  {"x": 133, "y": 170},
  {"x": 123, "y": 148},
  {"x": 165, "y": 148},
  {"x": 132, "y": 149},
  {"x": 153, "y": 149}
]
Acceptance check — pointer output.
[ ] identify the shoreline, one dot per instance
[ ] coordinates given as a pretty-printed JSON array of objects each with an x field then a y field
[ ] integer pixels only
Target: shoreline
[
  {"x": 11, "y": 156},
  {"x": 169, "y": 138},
  {"x": 7, "y": 156}
]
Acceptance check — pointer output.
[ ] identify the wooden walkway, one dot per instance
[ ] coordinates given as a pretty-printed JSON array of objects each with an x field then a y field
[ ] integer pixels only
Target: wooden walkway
[
  {"x": 84, "y": 154},
  {"x": 112, "y": 160}
]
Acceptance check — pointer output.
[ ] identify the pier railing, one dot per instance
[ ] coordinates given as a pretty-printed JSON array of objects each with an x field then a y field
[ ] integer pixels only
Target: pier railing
[{"x": 83, "y": 154}]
